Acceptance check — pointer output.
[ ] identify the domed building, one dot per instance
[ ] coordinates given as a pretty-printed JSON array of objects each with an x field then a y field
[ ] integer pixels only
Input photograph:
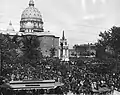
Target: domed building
[{"x": 31, "y": 23}]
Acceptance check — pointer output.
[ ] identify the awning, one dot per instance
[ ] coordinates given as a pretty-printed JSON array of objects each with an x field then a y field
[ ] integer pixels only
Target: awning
[{"x": 29, "y": 85}]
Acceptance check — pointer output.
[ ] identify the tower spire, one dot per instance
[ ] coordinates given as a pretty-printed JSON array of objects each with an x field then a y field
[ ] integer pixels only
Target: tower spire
[
  {"x": 64, "y": 52},
  {"x": 63, "y": 37},
  {"x": 31, "y": 3},
  {"x": 10, "y": 23}
]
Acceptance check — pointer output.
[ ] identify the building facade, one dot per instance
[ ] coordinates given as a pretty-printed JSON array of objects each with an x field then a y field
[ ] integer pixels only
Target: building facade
[{"x": 83, "y": 50}]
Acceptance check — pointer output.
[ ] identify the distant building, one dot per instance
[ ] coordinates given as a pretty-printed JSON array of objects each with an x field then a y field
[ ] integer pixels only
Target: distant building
[
  {"x": 31, "y": 24},
  {"x": 72, "y": 53},
  {"x": 64, "y": 49},
  {"x": 82, "y": 50},
  {"x": 92, "y": 49}
]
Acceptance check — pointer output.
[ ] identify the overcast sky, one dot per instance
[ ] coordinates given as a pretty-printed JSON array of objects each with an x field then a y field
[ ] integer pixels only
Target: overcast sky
[{"x": 82, "y": 20}]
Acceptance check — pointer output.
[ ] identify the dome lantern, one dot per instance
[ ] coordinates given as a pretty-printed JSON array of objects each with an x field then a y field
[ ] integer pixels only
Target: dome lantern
[{"x": 31, "y": 3}]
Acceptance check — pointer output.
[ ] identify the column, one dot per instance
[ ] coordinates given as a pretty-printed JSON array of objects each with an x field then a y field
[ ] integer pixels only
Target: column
[{"x": 59, "y": 53}]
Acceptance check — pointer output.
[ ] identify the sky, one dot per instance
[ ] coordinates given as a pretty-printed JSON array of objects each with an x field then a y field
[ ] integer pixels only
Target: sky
[{"x": 82, "y": 20}]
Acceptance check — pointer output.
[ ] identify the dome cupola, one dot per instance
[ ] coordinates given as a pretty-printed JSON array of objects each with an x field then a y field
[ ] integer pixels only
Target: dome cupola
[
  {"x": 31, "y": 3},
  {"x": 31, "y": 16}
]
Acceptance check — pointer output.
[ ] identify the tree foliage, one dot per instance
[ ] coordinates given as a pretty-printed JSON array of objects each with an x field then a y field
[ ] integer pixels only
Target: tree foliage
[
  {"x": 18, "y": 50},
  {"x": 108, "y": 48},
  {"x": 52, "y": 52},
  {"x": 8, "y": 54},
  {"x": 30, "y": 46},
  {"x": 109, "y": 41}
]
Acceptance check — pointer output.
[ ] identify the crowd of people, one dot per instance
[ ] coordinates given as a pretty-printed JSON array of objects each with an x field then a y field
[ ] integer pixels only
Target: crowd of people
[
  {"x": 57, "y": 91},
  {"x": 76, "y": 78}
]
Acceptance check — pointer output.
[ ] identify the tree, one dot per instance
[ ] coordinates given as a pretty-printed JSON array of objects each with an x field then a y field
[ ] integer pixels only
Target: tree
[
  {"x": 115, "y": 40},
  {"x": 76, "y": 48},
  {"x": 110, "y": 41},
  {"x": 52, "y": 52},
  {"x": 108, "y": 46},
  {"x": 2, "y": 51},
  {"x": 8, "y": 54},
  {"x": 30, "y": 46}
]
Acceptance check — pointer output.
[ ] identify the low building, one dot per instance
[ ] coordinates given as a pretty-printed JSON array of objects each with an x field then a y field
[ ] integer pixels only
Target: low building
[{"x": 83, "y": 50}]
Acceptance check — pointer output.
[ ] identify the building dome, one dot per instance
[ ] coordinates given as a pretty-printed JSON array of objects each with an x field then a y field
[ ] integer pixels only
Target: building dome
[
  {"x": 31, "y": 15},
  {"x": 10, "y": 27},
  {"x": 31, "y": 12}
]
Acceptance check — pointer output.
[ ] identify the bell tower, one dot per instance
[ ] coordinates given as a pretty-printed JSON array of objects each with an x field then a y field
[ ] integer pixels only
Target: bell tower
[{"x": 64, "y": 49}]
